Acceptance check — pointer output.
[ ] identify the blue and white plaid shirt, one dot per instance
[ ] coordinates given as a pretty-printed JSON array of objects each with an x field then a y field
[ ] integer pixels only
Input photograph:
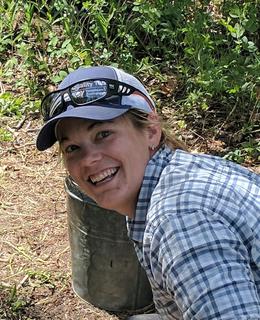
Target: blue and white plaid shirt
[{"x": 197, "y": 235}]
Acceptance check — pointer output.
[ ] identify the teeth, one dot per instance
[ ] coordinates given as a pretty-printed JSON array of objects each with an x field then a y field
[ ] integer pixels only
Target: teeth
[{"x": 103, "y": 175}]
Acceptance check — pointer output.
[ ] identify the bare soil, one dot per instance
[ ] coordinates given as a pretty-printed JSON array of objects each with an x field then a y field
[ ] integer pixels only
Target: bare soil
[{"x": 35, "y": 270}]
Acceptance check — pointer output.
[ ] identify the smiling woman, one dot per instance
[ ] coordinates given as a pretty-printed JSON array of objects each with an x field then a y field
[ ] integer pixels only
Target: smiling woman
[
  {"x": 107, "y": 158},
  {"x": 194, "y": 219}
]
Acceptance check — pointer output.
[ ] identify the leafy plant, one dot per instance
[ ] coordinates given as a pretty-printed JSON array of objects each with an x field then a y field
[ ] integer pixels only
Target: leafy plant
[
  {"x": 12, "y": 306},
  {"x": 5, "y": 135},
  {"x": 10, "y": 105},
  {"x": 210, "y": 48},
  {"x": 40, "y": 278},
  {"x": 248, "y": 152}
]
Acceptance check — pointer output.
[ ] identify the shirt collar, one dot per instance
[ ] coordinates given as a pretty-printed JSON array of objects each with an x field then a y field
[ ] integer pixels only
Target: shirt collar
[{"x": 151, "y": 177}]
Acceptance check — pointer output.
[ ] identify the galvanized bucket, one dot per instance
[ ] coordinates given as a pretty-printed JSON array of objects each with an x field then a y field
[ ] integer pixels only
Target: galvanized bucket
[{"x": 105, "y": 268}]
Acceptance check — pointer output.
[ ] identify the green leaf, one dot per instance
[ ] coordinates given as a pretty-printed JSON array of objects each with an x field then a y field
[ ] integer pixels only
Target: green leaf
[
  {"x": 53, "y": 42},
  {"x": 102, "y": 24},
  {"x": 240, "y": 30},
  {"x": 65, "y": 43}
]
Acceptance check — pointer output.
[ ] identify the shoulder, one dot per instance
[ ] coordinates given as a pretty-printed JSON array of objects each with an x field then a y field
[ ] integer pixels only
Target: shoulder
[
  {"x": 187, "y": 180},
  {"x": 203, "y": 174},
  {"x": 208, "y": 183},
  {"x": 199, "y": 163},
  {"x": 210, "y": 163}
]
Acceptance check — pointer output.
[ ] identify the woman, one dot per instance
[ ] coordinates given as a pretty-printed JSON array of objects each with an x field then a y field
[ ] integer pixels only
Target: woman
[{"x": 194, "y": 219}]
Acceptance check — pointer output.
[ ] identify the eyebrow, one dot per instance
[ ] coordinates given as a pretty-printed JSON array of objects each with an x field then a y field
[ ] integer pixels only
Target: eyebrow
[
  {"x": 94, "y": 124},
  {"x": 90, "y": 127}
]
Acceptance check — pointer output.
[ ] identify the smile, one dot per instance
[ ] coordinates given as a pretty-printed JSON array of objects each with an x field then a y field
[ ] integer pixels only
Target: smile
[{"x": 102, "y": 176}]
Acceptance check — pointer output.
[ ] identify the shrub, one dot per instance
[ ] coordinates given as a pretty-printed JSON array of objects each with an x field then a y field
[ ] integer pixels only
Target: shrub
[{"x": 199, "y": 57}]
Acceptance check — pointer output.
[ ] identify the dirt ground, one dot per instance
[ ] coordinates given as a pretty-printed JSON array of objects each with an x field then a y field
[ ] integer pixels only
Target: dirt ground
[{"x": 35, "y": 267}]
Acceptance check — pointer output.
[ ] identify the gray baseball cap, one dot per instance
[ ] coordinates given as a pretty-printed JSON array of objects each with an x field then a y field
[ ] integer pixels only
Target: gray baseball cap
[{"x": 105, "y": 109}]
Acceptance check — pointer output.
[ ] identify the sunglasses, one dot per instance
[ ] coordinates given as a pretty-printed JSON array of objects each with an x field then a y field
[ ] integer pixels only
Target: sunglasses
[{"x": 83, "y": 93}]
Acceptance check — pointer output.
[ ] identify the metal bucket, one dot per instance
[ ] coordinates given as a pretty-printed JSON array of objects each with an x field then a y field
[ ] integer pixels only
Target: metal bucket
[{"x": 105, "y": 268}]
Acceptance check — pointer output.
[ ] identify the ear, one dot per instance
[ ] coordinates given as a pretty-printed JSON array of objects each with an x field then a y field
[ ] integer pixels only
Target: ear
[{"x": 154, "y": 131}]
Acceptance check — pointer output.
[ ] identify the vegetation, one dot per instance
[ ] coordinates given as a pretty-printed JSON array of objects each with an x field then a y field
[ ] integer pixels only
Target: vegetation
[{"x": 200, "y": 58}]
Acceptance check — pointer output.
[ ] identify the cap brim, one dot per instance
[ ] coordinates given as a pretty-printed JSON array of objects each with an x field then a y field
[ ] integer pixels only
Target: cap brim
[{"x": 46, "y": 137}]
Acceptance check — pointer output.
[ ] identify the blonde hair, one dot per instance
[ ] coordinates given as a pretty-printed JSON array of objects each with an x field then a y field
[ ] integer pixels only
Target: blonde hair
[{"x": 140, "y": 120}]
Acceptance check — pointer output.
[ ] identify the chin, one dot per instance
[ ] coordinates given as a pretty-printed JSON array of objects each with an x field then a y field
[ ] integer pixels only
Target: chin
[
  {"x": 105, "y": 204},
  {"x": 112, "y": 207}
]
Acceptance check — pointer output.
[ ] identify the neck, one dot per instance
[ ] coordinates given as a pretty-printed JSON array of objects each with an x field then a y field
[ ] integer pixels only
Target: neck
[{"x": 128, "y": 212}]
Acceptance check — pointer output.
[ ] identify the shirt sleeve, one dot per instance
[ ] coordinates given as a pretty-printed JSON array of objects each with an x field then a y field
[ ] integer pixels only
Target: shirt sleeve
[{"x": 205, "y": 267}]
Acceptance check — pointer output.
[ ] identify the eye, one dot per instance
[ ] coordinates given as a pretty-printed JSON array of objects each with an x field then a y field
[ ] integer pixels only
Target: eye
[
  {"x": 70, "y": 148},
  {"x": 103, "y": 134}
]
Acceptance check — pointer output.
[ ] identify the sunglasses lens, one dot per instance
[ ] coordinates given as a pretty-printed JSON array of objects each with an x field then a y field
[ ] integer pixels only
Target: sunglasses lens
[
  {"x": 88, "y": 91},
  {"x": 81, "y": 93},
  {"x": 51, "y": 106}
]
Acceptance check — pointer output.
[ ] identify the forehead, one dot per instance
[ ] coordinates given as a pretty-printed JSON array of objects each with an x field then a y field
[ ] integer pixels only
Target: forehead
[
  {"x": 73, "y": 122},
  {"x": 69, "y": 126}
]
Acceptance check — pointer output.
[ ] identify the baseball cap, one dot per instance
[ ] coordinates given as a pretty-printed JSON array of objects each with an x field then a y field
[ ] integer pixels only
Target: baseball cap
[{"x": 100, "y": 110}]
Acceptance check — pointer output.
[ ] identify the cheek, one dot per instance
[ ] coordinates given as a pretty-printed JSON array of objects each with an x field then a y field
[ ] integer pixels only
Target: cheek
[
  {"x": 138, "y": 160},
  {"x": 71, "y": 167}
]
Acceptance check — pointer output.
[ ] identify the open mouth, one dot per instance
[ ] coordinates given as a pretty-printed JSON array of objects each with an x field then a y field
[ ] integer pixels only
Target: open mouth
[{"x": 103, "y": 176}]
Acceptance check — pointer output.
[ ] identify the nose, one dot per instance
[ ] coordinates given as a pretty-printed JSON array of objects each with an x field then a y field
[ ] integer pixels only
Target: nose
[{"x": 90, "y": 156}]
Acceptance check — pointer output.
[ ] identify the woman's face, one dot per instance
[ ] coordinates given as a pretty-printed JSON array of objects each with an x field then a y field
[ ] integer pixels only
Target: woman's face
[{"x": 107, "y": 159}]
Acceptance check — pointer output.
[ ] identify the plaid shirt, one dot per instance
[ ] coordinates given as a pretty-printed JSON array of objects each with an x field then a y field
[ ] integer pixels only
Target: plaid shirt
[{"x": 197, "y": 235}]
